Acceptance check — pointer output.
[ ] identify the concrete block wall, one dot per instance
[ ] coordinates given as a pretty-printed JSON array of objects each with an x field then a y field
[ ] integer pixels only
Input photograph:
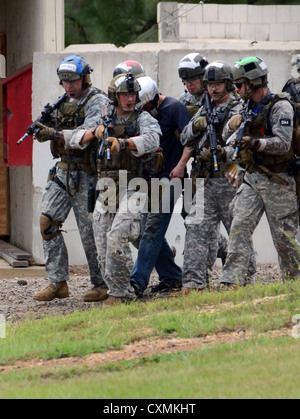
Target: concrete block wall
[
  {"x": 217, "y": 21},
  {"x": 161, "y": 63}
]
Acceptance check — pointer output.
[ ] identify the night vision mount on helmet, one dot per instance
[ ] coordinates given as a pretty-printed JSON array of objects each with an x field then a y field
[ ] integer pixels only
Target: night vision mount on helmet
[{"x": 123, "y": 83}]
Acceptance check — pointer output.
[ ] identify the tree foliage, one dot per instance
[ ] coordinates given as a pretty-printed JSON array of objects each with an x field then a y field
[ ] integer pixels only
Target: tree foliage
[
  {"x": 109, "y": 21},
  {"x": 122, "y": 22}
]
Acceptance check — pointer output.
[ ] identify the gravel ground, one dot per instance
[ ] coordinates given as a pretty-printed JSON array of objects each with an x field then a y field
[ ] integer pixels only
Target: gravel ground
[{"x": 16, "y": 301}]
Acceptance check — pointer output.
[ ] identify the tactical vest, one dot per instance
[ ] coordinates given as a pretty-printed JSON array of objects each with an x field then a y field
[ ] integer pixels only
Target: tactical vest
[
  {"x": 70, "y": 116},
  {"x": 192, "y": 107},
  {"x": 146, "y": 166},
  {"x": 204, "y": 169},
  {"x": 260, "y": 127}
]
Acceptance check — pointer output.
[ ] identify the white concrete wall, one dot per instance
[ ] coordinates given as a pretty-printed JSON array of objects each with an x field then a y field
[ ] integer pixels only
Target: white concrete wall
[
  {"x": 32, "y": 25},
  {"x": 227, "y": 21},
  {"x": 160, "y": 62}
]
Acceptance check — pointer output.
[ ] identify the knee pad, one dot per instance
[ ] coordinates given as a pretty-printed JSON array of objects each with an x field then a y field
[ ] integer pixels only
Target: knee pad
[{"x": 45, "y": 224}]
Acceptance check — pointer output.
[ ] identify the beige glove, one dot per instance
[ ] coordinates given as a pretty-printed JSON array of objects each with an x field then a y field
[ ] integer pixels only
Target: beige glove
[
  {"x": 99, "y": 131},
  {"x": 221, "y": 153},
  {"x": 45, "y": 133},
  {"x": 200, "y": 124},
  {"x": 235, "y": 122},
  {"x": 205, "y": 154}
]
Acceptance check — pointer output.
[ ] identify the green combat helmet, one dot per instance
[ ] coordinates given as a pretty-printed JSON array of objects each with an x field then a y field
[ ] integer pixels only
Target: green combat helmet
[{"x": 253, "y": 69}]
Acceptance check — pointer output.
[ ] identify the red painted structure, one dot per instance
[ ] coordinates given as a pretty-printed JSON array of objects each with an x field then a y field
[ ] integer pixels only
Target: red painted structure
[{"x": 17, "y": 92}]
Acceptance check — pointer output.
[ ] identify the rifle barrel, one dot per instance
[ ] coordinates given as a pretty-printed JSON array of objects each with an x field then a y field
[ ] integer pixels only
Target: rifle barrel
[{"x": 22, "y": 139}]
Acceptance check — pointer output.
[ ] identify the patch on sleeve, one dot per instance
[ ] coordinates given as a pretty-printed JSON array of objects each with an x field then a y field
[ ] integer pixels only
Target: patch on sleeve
[{"x": 285, "y": 122}]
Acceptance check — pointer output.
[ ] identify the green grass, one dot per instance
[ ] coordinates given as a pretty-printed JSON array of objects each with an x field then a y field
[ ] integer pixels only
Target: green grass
[{"x": 258, "y": 367}]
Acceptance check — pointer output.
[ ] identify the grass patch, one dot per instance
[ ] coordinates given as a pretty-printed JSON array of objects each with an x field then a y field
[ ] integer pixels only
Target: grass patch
[
  {"x": 255, "y": 369},
  {"x": 269, "y": 368},
  {"x": 196, "y": 315}
]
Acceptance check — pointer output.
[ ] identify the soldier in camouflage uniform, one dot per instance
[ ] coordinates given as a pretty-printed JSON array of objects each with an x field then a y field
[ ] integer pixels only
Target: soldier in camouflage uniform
[
  {"x": 265, "y": 152},
  {"x": 292, "y": 87},
  {"x": 191, "y": 70},
  {"x": 130, "y": 152},
  {"x": 213, "y": 193},
  {"x": 70, "y": 179}
]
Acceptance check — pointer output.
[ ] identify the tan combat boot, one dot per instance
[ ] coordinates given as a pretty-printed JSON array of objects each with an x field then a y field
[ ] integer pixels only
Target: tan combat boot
[
  {"x": 58, "y": 290},
  {"x": 96, "y": 294},
  {"x": 113, "y": 301}
]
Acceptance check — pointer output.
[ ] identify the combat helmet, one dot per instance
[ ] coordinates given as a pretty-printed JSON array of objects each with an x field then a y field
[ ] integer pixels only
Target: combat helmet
[
  {"x": 219, "y": 70},
  {"x": 192, "y": 65},
  {"x": 129, "y": 66},
  {"x": 123, "y": 83},
  {"x": 74, "y": 68},
  {"x": 253, "y": 69},
  {"x": 149, "y": 91}
]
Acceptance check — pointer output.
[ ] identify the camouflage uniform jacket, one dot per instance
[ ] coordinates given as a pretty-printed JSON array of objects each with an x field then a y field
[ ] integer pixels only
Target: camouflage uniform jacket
[
  {"x": 225, "y": 110},
  {"x": 276, "y": 137}
]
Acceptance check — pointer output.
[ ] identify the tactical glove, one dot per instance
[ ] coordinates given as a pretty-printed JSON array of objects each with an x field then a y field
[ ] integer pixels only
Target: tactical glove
[
  {"x": 235, "y": 122},
  {"x": 250, "y": 143},
  {"x": 205, "y": 154},
  {"x": 221, "y": 153},
  {"x": 45, "y": 133},
  {"x": 99, "y": 131},
  {"x": 200, "y": 124},
  {"x": 116, "y": 144}
]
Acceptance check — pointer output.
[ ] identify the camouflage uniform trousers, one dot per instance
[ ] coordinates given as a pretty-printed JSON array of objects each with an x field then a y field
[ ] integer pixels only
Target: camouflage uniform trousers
[
  {"x": 280, "y": 204},
  {"x": 113, "y": 234},
  {"x": 211, "y": 207},
  {"x": 57, "y": 204}
]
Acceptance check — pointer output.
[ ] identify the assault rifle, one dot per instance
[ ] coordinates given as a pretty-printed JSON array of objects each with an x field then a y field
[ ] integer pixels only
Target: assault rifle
[
  {"x": 240, "y": 132},
  {"x": 292, "y": 90},
  {"x": 108, "y": 131},
  {"x": 43, "y": 119},
  {"x": 212, "y": 119}
]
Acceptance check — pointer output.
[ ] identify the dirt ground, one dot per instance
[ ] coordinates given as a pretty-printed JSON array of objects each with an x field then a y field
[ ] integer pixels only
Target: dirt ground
[
  {"x": 17, "y": 290},
  {"x": 142, "y": 349}
]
